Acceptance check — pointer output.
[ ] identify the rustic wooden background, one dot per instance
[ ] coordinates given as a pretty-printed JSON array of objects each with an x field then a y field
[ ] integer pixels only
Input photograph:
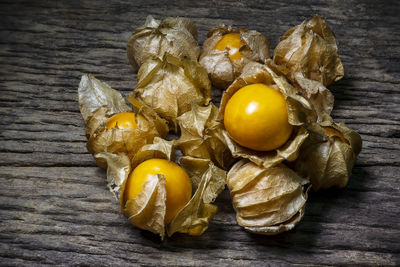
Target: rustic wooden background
[{"x": 54, "y": 204}]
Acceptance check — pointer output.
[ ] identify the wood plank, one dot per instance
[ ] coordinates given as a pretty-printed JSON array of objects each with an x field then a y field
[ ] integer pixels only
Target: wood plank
[{"x": 55, "y": 207}]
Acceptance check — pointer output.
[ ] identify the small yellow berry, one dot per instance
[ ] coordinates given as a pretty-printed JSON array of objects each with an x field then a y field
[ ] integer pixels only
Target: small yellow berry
[
  {"x": 123, "y": 120},
  {"x": 256, "y": 117},
  {"x": 178, "y": 185},
  {"x": 233, "y": 42}
]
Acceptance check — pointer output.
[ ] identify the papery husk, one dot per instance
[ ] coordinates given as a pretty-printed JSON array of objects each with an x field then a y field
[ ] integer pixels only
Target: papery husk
[
  {"x": 300, "y": 113},
  {"x": 201, "y": 135},
  {"x": 326, "y": 159},
  {"x": 320, "y": 98},
  {"x": 266, "y": 200},
  {"x": 118, "y": 169},
  {"x": 94, "y": 94},
  {"x": 221, "y": 69},
  {"x": 170, "y": 86},
  {"x": 175, "y": 36},
  {"x": 310, "y": 51},
  {"x": 147, "y": 210},
  {"x": 98, "y": 102},
  {"x": 208, "y": 182}
]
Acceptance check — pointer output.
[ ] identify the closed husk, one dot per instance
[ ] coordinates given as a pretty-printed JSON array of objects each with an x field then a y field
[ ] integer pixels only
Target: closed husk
[
  {"x": 170, "y": 86},
  {"x": 310, "y": 51},
  {"x": 266, "y": 200},
  {"x": 175, "y": 36},
  {"x": 328, "y": 156},
  {"x": 201, "y": 135}
]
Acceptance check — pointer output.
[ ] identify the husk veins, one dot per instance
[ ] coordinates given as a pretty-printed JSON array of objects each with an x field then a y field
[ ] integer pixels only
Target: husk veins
[
  {"x": 175, "y": 36},
  {"x": 221, "y": 69},
  {"x": 266, "y": 200}
]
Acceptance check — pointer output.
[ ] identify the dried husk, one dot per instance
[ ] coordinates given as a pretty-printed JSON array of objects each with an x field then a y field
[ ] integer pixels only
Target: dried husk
[
  {"x": 147, "y": 210},
  {"x": 175, "y": 36},
  {"x": 317, "y": 94},
  {"x": 309, "y": 51},
  {"x": 320, "y": 98},
  {"x": 94, "y": 94},
  {"x": 201, "y": 135},
  {"x": 118, "y": 169},
  {"x": 208, "y": 181},
  {"x": 328, "y": 156},
  {"x": 300, "y": 113},
  {"x": 170, "y": 86},
  {"x": 221, "y": 69},
  {"x": 266, "y": 200},
  {"x": 98, "y": 102}
]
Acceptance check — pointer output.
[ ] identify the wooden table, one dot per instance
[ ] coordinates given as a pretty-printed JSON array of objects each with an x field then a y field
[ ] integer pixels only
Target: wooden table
[{"x": 54, "y": 204}]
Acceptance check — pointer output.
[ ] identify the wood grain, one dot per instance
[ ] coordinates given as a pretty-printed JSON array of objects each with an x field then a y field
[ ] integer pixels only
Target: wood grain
[{"x": 54, "y": 204}]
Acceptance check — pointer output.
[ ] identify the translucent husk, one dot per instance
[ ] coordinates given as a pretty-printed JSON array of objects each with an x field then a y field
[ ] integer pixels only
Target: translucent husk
[
  {"x": 175, "y": 36},
  {"x": 299, "y": 110},
  {"x": 147, "y": 210},
  {"x": 328, "y": 156},
  {"x": 170, "y": 86},
  {"x": 309, "y": 51},
  {"x": 319, "y": 96},
  {"x": 201, "y": 135},
  {"x": 266, "y": 200},
  {"x": 118, "y": 169},
  {"x": 221, "y": 69},
  {"x": 98, "y": 102}
]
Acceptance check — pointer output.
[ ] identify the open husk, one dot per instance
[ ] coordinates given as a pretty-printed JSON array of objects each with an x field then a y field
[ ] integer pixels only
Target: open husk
[
  {"x": 328, "y": 156},
  {"x": 266, "y": 200},
  {"x": 147, "y": 210},
  {"x": 309, "y": 50},
  {"x": 98, "y": 102},
  {"x": 175, "y": 36},
  {"x": 208, "y": 182},
  {"x": 299, "y": 110},
  {"x": 201, "y": 135},
  {"x": 221, "y": 69},
  {"x": 170, "y": 86}
]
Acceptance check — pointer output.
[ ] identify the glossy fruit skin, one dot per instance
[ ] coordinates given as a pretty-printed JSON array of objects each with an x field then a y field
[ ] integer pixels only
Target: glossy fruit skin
[
  {"x": 178, "y": 184},
  {"x": 123, "y": 120},
  {"x": 233, "y": 42},
  {"x": 256, "y": 117}
]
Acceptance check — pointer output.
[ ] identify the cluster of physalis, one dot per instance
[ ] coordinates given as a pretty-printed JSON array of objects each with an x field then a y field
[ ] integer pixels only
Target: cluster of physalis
[{"x": 273, "y": 125}]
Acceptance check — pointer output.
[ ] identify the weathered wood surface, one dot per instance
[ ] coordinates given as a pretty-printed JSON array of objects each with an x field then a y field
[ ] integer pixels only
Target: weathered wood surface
[{"x": 54, "y": 204}]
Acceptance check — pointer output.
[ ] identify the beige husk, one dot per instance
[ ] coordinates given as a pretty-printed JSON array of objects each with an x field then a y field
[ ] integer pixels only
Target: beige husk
[
  {"x": 327, "y": 159},
  {"x": 307, "y": 55},
  {"x": 175, "y": 36},
  {"x": 118, "y": 169},
  {"x": 310, "y": 51},
  {"x": 170, "y": 86},
  {"x": 201, "y": 135},
  {"x": 208, "y": 181},
  {"x": 319, "y": 96},
  {"x": 147, "y": 210},
  {"x": 299, "y": 109},
  {"x": 221, "y": 69},
  {"x": 266, "y": 200},
  {"x": 98, "y": 102}
]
